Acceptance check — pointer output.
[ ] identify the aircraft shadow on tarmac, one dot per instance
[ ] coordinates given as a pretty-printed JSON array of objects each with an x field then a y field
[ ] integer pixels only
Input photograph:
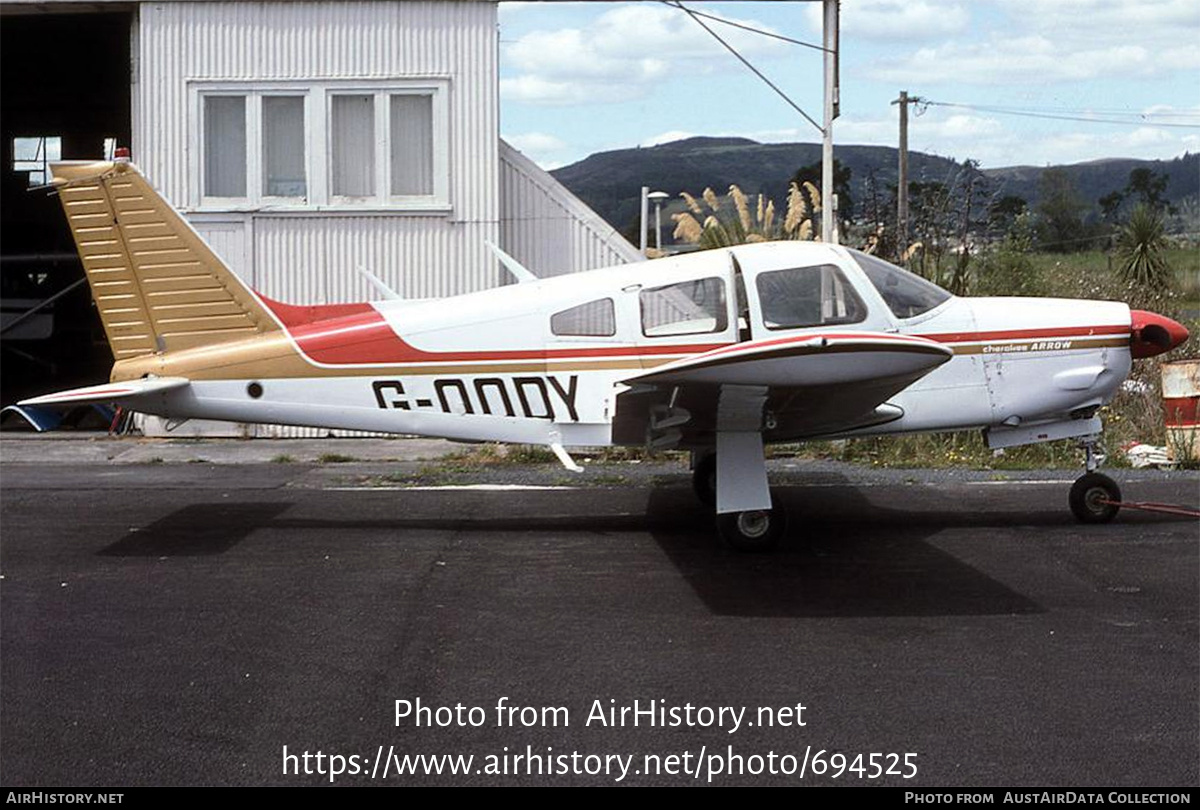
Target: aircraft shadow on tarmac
[{"x": 843, "y": 556}]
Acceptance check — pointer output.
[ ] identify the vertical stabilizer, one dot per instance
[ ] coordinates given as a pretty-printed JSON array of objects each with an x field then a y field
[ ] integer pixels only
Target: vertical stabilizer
[{"x": 157, "y": 285}]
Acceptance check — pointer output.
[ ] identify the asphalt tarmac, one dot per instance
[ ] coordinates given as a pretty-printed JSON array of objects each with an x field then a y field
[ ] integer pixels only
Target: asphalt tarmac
[{"x": 181, "y": 623}]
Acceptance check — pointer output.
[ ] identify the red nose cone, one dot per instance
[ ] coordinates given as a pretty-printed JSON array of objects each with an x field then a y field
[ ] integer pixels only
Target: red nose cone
[{"x": 1153, "y": 334}]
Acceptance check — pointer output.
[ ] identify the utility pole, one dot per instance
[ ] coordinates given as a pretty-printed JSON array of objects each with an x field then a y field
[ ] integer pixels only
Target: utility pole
[
  {"x": 829, "y": 233},
  {"x": 902, "y": 182}
]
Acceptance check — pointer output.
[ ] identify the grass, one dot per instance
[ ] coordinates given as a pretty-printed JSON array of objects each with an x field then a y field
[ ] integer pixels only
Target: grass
[
  {"x": 529, "y": 454},
  {"x": 490, "y": 454},
  {"x": 335, "y": 458},
  {"x": 939, "y": 451},
  {"x": 282, "y": 458}
]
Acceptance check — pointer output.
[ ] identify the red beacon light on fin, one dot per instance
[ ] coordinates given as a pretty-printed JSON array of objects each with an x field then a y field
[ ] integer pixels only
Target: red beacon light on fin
[{"x": 1154, "y": 334}]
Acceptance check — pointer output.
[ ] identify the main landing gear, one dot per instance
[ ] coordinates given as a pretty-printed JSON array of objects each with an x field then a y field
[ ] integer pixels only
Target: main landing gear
[
  {"x": 1095, "y": 498},
  {"x": 756, "y": 530}
]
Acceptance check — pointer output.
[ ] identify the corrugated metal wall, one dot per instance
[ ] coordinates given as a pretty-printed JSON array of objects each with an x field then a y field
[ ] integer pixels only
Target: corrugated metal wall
[
  {"x": 425, "y": 255},
  {"x": 549, "y": 229},
  {"x": 310, "y": 257}
]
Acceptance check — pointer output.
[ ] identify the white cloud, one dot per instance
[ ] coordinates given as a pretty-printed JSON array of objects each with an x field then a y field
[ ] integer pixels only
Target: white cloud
[
  {"x": 1063, "y": 41},
  {"x": 895, "y": 19},
  {"x": 539, "y": 90},
  {"x": 1169, "y": 113},
  {"x": 536, "y": 142},
  {"x": 545, "y": 150},
  {"x": 620, "y": 56},
  {"x": 1075, "y": 147},
  {"x": 667, "y": 137},
  {"x": 1005, "y": 60},
  {"x": 1108, "y": 21}
]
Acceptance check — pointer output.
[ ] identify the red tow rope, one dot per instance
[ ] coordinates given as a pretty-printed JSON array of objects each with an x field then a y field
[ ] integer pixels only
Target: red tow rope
[{"x": 1165, "y": 508}]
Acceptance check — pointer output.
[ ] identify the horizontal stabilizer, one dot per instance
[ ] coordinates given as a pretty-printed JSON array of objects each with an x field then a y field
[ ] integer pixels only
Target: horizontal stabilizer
[
  {"x": 121, "y": 392},
  {"x": 46, "y": 418}
]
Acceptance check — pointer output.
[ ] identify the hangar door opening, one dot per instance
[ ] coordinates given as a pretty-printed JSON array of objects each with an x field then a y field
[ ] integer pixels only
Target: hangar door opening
[{"x": 65, "y": 93}]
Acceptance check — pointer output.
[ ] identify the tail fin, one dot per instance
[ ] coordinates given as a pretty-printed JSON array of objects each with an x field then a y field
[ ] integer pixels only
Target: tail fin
[{"x": 157, "y": 285}]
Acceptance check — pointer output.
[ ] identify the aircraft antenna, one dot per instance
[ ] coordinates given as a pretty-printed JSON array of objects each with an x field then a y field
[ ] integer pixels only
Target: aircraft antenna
[{"x": 520, "y": 271}]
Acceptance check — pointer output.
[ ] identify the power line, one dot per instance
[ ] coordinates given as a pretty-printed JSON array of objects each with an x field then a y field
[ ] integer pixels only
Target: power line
[
  {"x": 744, "y": 27},
  {"x": 1091, "y": 119},
  {"x": 746, "y": 62},
  {"x": 1125, "y": 111}
]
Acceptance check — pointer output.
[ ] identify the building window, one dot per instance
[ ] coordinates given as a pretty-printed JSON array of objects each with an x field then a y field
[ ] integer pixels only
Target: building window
[
  {"x": 332, "y": 144},
  {"x": 353, "y": 146},
  {"x": 283, "y": 147},
  {"x": 412, "y": 145},
  {"x": 33, "y": 155},
  {"x": 225, "y": 146}
]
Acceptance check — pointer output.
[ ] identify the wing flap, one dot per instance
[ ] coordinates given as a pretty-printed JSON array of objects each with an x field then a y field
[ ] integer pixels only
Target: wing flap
[{"x": 122, "y": 392}]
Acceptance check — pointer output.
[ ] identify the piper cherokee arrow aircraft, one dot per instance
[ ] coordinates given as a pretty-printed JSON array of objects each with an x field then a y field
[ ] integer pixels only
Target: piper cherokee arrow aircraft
[{"x": 718, "y": 353}]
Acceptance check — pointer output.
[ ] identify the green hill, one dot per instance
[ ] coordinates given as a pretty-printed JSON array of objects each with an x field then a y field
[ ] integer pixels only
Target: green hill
[{"x": 610, "y": 182}]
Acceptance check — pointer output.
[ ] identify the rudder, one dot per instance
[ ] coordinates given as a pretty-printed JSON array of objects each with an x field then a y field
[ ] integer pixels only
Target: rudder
[{"x": 157, "y": 285}]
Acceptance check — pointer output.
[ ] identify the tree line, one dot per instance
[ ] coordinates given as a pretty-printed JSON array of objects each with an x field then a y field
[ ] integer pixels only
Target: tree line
[{"x": 954, "y": 220}]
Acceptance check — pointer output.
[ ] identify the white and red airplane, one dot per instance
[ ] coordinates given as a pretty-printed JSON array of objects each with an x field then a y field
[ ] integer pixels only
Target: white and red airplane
[{"x": 718, "y": 352}]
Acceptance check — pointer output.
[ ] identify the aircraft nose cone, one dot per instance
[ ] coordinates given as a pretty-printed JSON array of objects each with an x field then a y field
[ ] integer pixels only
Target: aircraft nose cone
[{"x": 1154, "y": 334}]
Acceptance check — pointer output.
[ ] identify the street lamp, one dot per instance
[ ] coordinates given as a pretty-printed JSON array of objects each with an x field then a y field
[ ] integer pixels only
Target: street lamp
[{"x": 657, "y": 198}]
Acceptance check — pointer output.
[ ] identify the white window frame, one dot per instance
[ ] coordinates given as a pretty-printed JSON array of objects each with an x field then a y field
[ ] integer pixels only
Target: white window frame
[{"x": 318, "y": 126}]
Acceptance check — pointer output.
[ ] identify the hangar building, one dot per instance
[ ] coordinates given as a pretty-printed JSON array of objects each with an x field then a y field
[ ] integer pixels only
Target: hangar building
[{"x": 302, "y": 139}]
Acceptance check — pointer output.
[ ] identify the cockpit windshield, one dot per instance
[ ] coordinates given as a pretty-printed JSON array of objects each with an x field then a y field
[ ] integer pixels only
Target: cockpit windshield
[{"x": 906, "y": 294}]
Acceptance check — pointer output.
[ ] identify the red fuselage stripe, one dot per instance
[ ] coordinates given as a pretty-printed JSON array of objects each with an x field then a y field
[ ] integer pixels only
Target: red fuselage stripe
[
  {"x": 364, "y": 337},
  {"x": 89, "y": 394}
]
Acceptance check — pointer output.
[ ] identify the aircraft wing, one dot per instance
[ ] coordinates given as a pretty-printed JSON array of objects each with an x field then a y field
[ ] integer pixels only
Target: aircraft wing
[
  {"x": 125, "y": 393},
  {"x": 797, "y": 386}
]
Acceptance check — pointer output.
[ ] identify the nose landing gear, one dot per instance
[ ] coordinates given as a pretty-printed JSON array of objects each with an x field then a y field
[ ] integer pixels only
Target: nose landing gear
[{"x": 1094, "y": 498}]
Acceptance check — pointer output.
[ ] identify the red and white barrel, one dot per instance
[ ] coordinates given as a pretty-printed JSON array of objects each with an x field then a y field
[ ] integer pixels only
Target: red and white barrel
[{"x": 1181, "y": 407}]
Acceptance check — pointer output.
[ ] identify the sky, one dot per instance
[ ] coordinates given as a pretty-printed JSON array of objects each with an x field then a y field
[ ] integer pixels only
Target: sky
[{"x": 585, "y": 77}]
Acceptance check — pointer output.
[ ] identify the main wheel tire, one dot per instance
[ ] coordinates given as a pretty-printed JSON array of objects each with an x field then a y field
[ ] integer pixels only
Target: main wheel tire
[
  {"x": 704, "y": 480},
  {"x": 754, "y": 531},
  {"x": 1090, "y": 495}
]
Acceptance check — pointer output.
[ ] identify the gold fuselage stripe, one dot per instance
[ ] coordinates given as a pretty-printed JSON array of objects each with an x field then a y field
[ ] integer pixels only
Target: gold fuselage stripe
[{"x": 274, "y": 356}]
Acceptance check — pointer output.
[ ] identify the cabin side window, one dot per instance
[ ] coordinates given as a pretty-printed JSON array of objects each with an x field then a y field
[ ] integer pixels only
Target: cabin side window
[
  {"x": 808, "y": 296},
  {"x": 906, "y": 294},
  {"x": 686, "y": 308},
  {"x": 593, "y": 319}
]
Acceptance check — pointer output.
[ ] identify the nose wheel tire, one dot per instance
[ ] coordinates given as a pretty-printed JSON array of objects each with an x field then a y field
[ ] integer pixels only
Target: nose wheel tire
[
  {"x": 754, "y": 531},
  {"x": 1090, "y": 496}
]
